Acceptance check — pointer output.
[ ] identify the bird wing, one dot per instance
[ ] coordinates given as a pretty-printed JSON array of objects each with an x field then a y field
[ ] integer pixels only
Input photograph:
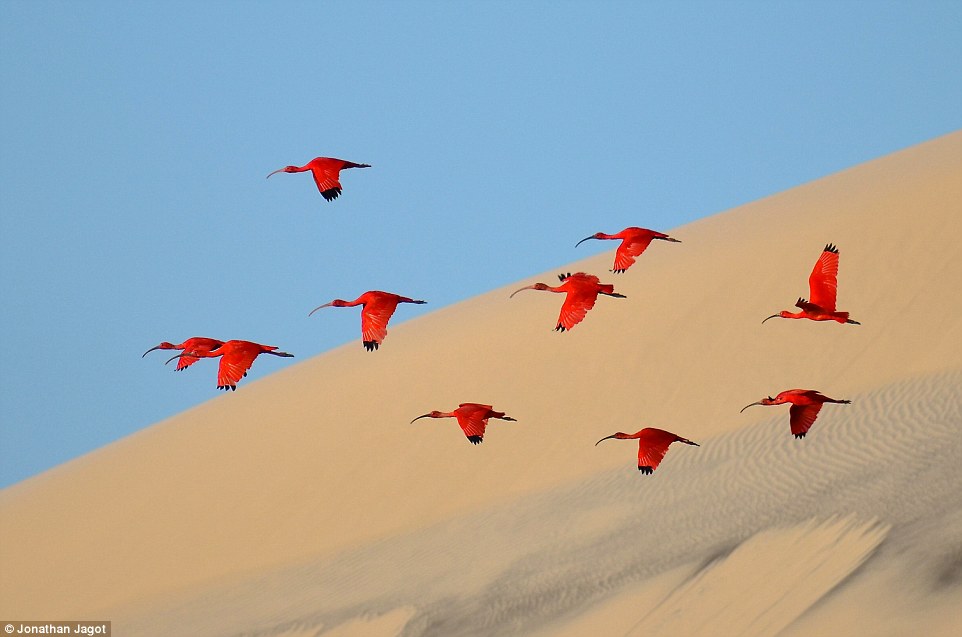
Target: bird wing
[
  {"x": 802, "y": 417},
  {"x": 234, "y": 366},
  {"x": 630, "y": 248},
  {"x": 326, "y": 177},
  {"x": 575, "y": 307},
  {"x": 374, "y": 318},
  {"x": 473, "y": 419},
  {"x": 823, "y": 282},
  {"x": 652, "y": 447}
]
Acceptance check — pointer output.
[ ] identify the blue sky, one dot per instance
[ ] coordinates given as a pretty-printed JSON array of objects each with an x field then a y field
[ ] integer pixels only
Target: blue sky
[{"x": 136, "y": 138}]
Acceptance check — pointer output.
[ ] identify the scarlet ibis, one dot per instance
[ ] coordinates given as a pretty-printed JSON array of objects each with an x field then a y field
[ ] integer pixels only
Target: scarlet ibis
[
  {"x": 652, "y": 446},
  {"x": 473, "y": 418},
  {"x": 806, "y": 404},
  {"x": 377, "y": 311},
  {"x": 582, "y": 290},
  {"x": 236, "y": 358},
  {"x": 634, "y": 241},
  {"x": 326, "y": 171},
  {"x": 190, "y": 346},
  {"x": 823, "y": 288}
]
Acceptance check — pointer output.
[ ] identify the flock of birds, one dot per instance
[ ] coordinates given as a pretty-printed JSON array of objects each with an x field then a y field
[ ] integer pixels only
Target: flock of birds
[{"x": 581, "y": 291}]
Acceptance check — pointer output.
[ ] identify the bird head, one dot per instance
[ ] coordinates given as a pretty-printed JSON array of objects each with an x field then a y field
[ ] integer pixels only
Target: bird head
[
  {"x": 334, "y": 303},
  {"x": 164, "y": 345},
  {"x": 782, "y": 314},
  {"x": 597, "y": 235},
  {"x": 620, "y": 436},
  {"x": 763, "y": 401},
  {"x": 430, "y": 414},
  {"x": 536, "y": 286},
  {"x": 285, "y": 169},
  {"x": 181, "y": 355}
]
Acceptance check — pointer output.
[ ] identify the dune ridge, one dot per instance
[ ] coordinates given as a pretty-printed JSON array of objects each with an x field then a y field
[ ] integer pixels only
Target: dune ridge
[
  {"x": 790, "y": 570},
  {"x": 279, "y": 507}
]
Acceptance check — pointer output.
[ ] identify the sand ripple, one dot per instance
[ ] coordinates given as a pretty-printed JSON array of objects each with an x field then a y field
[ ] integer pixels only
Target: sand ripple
[{"x": 881, "y": 474}]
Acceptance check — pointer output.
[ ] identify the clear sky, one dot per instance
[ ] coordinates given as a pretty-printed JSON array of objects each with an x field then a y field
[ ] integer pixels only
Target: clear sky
[{"x": 136, "y": 137}]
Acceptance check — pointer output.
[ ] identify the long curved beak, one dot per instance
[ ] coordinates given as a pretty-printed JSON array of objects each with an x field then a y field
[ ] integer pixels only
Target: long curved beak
[
  {"x": 279, "y": 170},
  {"x": 150, "y": 350},
  {"x": 320, "y": 307},
  {"x": 605, "y": 438},
  {"x": 176, "y": 357},
  {"x": 771, "y": 317},
  {"x": 527, "y": 287},
  {"x": 185, "y": 355},
  {"x": 583, "y": 240},
  {"x": 752, "y": 405},
  {"x": 420, "y": 417}
]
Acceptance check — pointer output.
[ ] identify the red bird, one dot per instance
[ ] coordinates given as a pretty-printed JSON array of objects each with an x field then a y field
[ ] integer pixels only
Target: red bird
[
  {"x": 472, "y": 417},
  {"x": 190, "y": 346},
  {"x": 378, "y": 309},
  {"x": 806, "y": 404},
  {"x": 582, "y": 291},
  {"x": 652, "y": 446},
  {"x": 236, "y": 358},
  {"x": 326, "y": 171},
  {"x": 823, "y": 288},
  {"x": 634, "y": 241}
]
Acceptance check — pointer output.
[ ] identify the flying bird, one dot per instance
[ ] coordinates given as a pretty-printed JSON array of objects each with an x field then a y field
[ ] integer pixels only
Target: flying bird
[
  {"x": 236, "y": 358},
  {"x": 473, "y": 418},
  {"x": 806, "y": 404},
  {"x": 634, "y": 241},
  {"x": 326, "y": 171},
  {"x": 652, "y": 446},
  {"x": 377, "y": 311},
  {"x": 823, "y": 288},
  {"x": 190, "y": 347},
  {"x": 582, "y": 291}
]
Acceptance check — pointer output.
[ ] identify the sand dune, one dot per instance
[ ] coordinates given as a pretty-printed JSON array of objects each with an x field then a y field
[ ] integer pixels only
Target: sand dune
[
  {"x": 305, "y": 504},
  {"x": 755, "y": 510}
]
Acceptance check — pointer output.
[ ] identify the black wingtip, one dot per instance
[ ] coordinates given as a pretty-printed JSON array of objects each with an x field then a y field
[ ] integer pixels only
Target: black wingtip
[
  {"x": 371, "y": 345},
  {"x": 800, "y": 436},
  {"x": 831, "y": 248},
  {"x": 475, "y": 440},
  {"x": 646, "y": 470},
  {"x": 331, "y": 194}
]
